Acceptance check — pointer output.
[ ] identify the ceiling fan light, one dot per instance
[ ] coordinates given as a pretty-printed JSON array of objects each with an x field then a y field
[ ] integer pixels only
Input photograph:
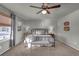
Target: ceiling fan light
[{"x": 44, "y": 12}]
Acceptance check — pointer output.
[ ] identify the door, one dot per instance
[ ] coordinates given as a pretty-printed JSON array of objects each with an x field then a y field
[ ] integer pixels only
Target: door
[{"x": 5, "y": 33}]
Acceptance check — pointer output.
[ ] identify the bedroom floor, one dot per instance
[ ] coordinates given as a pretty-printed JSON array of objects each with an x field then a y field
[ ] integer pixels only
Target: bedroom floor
[{"x": 60, "y": 50}]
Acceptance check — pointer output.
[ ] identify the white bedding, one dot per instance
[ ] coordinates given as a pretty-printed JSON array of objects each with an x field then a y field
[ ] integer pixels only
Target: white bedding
[{"x": 38, "y": 39}]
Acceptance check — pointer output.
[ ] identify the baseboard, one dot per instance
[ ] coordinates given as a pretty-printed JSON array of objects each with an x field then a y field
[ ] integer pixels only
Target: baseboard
[
  {"x": 70, "y": 45},
  {"x": 4, "y": 51}
]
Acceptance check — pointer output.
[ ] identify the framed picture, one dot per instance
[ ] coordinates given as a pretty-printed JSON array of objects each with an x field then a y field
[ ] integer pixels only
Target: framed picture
[
  {"x": 19, "y": 28},
  {"x": 66, "y": 23},
  {"x": 66, "y": 28}
]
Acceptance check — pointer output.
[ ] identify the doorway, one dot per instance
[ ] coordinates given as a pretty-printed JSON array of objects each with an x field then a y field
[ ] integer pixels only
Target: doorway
[{"x": 5, "y": 33}]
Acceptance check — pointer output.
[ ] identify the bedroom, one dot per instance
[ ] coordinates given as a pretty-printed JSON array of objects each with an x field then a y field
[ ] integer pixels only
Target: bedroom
[{"x": 25, "y": 18}]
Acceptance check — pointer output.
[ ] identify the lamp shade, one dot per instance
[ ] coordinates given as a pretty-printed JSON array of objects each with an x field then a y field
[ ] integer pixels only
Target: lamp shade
[{"x": 44, "y": 12}]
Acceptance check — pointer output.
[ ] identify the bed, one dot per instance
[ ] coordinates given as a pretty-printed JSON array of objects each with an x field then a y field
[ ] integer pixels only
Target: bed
[{"x": 42, "y": 40}]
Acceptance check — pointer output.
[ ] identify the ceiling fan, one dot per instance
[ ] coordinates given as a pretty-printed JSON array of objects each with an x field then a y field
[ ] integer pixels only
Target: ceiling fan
[{"x": 45, "y": 8}]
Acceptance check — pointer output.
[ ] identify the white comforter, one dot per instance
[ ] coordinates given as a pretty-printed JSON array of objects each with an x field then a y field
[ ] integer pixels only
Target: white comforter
[{"x": 38, "y": 39}]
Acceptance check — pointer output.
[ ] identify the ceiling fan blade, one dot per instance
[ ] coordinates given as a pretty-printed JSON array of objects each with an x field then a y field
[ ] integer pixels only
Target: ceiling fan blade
[
  {"x": 48, "y": 12},
  {"x": 36, "y": 7},
  {"x": 56, "y": 6},
  {"x": 39, "y": 12}
]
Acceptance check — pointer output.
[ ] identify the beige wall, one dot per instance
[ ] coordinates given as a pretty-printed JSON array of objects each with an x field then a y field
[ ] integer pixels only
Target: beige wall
[
  {"x": 18, "y": 34},
  {"x": 71, "y": 37},
  {"x": 5, "y": 21}
]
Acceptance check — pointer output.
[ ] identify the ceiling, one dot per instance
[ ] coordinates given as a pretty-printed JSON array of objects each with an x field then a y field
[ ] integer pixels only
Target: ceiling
[{"x": 27, "y": 13}]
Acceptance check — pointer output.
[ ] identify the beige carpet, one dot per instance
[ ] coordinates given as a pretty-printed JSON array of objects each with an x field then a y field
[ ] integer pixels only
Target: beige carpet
[{"x": 60, "y": 50}]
